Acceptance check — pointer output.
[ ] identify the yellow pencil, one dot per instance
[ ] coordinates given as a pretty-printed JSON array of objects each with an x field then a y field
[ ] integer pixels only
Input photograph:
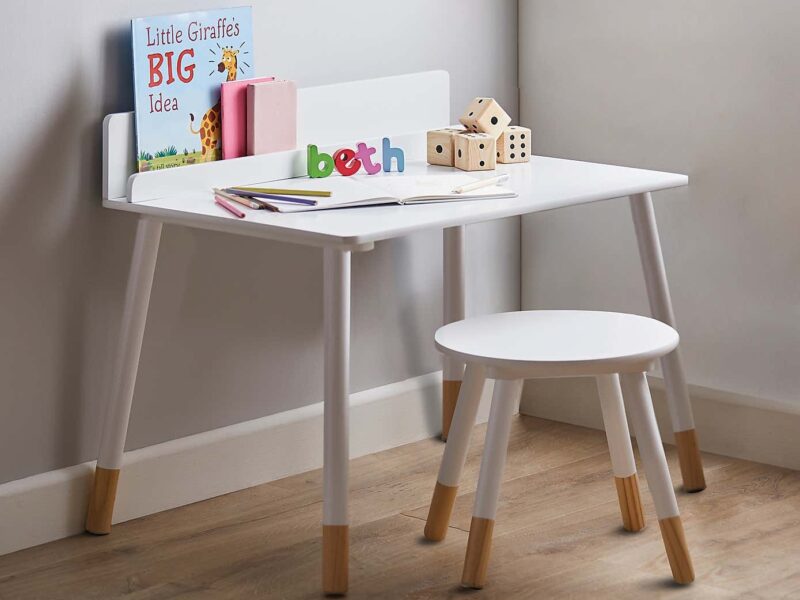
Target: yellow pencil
[{"x": 282, "y": 192}]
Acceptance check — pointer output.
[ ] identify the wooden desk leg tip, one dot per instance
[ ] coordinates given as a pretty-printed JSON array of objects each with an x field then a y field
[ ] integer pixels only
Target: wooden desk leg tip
[
  {"x": 101, "y": 501},
  {"x": 630, "y": 503},
  {"x": 677, "y": 551},
  {"x": 450, "y": 391},
  {"x": 335, "y": 559},
  {"x": 444, "y": 496},
  {"x": 689, "y": 458},
  {"x": 479, "y": 546}
]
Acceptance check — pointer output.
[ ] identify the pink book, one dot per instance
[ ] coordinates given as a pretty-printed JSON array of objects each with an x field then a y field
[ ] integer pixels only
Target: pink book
[
  {"x": 233, "y": 98},
  {"x": 271, "y": 117}
]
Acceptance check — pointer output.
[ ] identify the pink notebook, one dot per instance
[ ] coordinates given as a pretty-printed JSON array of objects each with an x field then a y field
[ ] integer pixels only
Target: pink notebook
[
  {"x": 271, "y": 117},
  {"x": 233, "y": 99}
]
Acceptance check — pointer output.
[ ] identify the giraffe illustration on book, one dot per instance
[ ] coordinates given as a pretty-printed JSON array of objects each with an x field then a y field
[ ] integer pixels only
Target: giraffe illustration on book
[{"x": 209, "y": 130}]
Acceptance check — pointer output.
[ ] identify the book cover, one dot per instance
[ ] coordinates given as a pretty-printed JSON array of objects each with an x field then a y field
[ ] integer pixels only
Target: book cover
[
  {"x": 233, "y": 100},
  {"x": 271, "y": 117},
  {"x": 179, "y": 63}
]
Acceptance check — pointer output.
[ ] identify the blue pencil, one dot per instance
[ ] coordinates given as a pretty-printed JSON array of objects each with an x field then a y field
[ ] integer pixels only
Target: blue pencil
[{"x": 294, "y": 199}]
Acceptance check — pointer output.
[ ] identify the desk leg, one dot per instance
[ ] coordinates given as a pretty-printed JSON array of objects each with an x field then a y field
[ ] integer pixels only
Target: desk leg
[
  {"x": 335, "y": 521},
  {"x": 453, "y": 309},
  {"x": 126, "y": 364},
  {"x": 680, "y": 408}
]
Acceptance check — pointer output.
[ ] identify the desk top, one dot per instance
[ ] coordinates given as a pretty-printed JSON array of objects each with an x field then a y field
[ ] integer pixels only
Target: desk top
[{"x": 542, "y": 184}]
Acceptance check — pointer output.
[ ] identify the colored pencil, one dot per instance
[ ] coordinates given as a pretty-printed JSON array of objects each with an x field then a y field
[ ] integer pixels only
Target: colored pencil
[
  {"x": 281, "y": 192},
  {"x": 257, "y": 195},
  {"x": 243, "y": 200},
  {"x": 228, "y": 206}
]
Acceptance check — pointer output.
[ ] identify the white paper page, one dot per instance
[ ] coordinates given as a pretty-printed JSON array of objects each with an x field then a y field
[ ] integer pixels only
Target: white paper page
[
  {"x": 401, "y": 186},
  {"x": 345, "y": 191},
  {"x": 430, "y": 187}
]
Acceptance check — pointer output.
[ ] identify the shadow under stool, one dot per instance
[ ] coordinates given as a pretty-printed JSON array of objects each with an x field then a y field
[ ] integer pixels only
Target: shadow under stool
[{"x": 617, "y": 349}]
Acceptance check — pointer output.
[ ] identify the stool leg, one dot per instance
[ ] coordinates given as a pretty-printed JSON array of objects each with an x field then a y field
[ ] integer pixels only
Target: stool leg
[
  {"x": 504, "y": 401},
  {"x": 640, "y": 405},
  {"x": 455, "y": 453},
  {"x": 680, "y": 408},
  {"x": 619, "y": 446}
]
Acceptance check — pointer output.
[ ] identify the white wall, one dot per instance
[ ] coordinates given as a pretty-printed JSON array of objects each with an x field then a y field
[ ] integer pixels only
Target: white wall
[
  {"x": 705, "y": 88},
  {"x": 222, "y": 344}
]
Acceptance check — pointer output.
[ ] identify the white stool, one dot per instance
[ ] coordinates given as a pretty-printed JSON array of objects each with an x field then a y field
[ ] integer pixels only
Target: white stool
[{"x": 511, "y": 347}]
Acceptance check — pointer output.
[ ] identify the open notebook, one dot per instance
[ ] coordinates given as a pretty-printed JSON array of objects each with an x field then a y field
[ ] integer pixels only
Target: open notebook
[{"x": 389, "y": 188}]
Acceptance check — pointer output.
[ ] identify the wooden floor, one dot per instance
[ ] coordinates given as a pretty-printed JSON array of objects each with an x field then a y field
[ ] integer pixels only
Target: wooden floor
[{"x": 558, "y": 534}]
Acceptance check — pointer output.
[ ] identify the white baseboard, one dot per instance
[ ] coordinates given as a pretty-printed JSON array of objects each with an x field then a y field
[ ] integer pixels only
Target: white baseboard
[
  {"x": 52, "y": 505},
  {"x": 731, "y": 424}
]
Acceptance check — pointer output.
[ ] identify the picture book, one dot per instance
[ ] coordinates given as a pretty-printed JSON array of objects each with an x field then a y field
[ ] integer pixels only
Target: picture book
[{"x": 179, "y": 64}]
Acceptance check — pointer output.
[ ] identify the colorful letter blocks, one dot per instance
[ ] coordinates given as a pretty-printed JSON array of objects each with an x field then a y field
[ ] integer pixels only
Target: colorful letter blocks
[
  {"x": 485, "y": 115},
  {"x": 348, "y": 162},
  {"x": 475, "y": 152},
  {"x": 514, "y": 145}
]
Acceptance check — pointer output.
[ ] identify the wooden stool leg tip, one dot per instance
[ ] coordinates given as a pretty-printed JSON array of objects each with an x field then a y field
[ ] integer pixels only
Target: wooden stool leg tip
[
  {"x": 450, "y": 391},
  {"x": 690, "y": 461},
  {"x": 101, "y": 501},
  {"x": 335, "y": 559},
  {"x": 444, "y": 496},
  {"x": 479, "y": 546},
  {"x": 677, "y": 551},
  {"x": 630, "y": 503}
]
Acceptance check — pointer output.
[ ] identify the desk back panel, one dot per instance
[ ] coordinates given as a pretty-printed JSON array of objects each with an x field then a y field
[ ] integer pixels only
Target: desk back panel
[{"x": 327, "y": 115}]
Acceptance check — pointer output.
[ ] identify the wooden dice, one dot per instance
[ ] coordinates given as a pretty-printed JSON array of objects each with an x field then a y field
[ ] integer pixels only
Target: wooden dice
[
  {"x": 475, "y": 151},
  {"x": 488, "y": 139},
  {"x": 514, "y": 145},
  {"x": 485, "y": 115},
  {"x": 441, "y": 145}
]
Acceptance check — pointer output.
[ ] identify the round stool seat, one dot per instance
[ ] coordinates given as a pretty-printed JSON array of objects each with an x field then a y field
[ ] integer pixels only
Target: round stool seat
[{"x": 553, "y": 343}]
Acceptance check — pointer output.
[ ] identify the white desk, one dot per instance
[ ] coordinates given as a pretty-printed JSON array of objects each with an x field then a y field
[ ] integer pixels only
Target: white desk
[
  {"x": 542, "y": 184},
  {"x": 183, "y": 196}
]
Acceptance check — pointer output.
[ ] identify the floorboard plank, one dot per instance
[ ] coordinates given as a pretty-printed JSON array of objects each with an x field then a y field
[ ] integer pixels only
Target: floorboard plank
[{"x": 558, "y": 534}]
